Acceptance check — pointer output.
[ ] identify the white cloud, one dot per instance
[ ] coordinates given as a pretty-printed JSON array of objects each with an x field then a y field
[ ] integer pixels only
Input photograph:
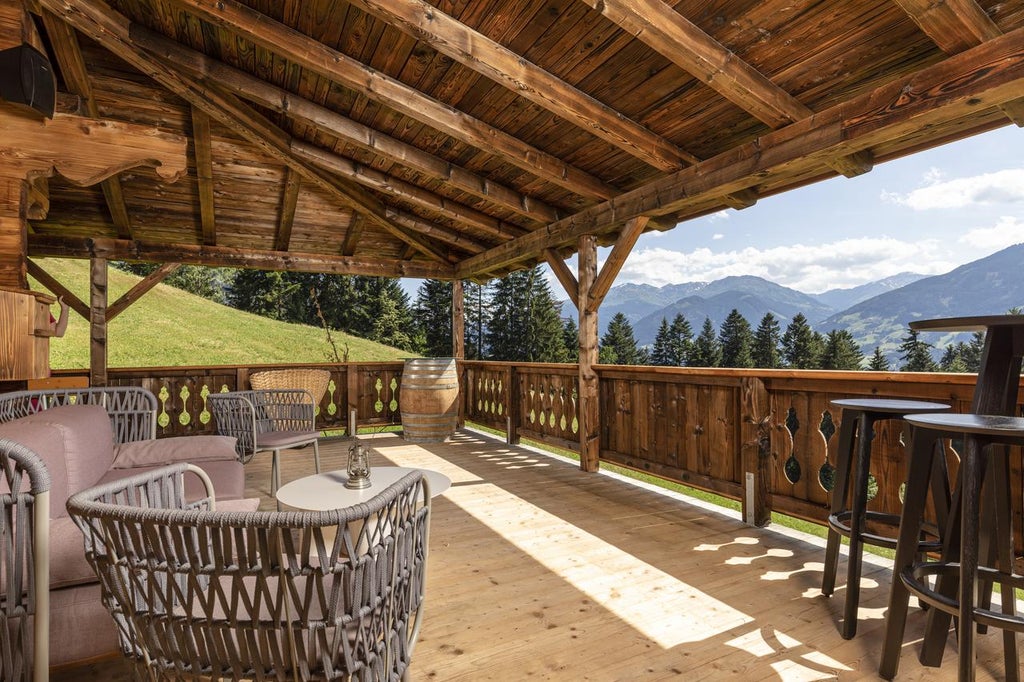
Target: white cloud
[
  {"x": 999, "y": 187},
  {"x": 718, "y": 217},
  {"x": 717, "y": 236},
  {"x": 1007, "y": 232},
  {"x": 812, "y": 269}
]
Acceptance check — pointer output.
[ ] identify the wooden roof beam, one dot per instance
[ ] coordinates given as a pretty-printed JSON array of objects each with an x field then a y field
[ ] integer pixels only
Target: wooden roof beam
[
  {"x": 510, "y": 70},
  {"x": 564, "y": 275},
  {"x": 289, "y": 200},
  {"x": 982, "y": 77},
  {"x": 203, "y": 148},
  {"x": 355, "y": 232},
  {"x": 616, "y": 259},
  {"x": 955, "y": 26},
  {"x": 338, "y": 67},
  {"x": 110, "y": 29},
  {"x": 220, "y": 256},
  {"x": 140, "y": 289},
  {"x": 332, "y": 123},
  {"x": 675, "y": 37},
  {"x": 58, "y": 289},
  {"x": 76, "y": 78}
]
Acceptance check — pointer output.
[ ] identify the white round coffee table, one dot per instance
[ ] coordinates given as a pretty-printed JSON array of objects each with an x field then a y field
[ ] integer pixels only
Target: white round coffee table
[{"x": 321, "y": 492}]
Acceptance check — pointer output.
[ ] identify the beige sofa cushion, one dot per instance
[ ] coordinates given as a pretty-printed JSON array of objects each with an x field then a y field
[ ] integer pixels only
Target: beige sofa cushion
[
  {"x": 75, "y": 443},
  {"x": 148, "y": 453}
]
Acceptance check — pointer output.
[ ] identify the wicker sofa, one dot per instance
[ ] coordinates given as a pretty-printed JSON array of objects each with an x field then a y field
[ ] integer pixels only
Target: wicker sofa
[{"x": 87, "y": 437}]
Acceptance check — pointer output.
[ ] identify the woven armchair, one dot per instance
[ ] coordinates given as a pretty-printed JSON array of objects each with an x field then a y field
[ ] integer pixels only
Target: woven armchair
[
  {"x": 267, "y": 420},
  {"x": 24, "y": 564},
  {"x": 132, "y": 409},
  {"x": 313, "y": 380},
  {"x": 204, "y": 594}
]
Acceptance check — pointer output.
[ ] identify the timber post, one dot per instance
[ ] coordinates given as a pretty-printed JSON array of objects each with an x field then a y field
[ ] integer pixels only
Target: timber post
[
  {"x": 98, "y": 322},
  {"x": 755, "y": 429},
  {"x": 459, "y": 344},
  {"x": 589, "y": 403}
]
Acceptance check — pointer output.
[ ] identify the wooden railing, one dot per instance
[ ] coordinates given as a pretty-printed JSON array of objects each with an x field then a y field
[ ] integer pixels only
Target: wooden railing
[{"x": 765, "y": 437}]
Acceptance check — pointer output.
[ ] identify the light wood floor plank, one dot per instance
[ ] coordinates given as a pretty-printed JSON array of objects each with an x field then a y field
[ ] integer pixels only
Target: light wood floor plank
[{"x": 539, "y": 571}]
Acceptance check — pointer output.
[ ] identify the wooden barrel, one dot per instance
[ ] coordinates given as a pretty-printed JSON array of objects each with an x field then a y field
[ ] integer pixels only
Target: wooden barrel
[{"x": 429, "y": 399}]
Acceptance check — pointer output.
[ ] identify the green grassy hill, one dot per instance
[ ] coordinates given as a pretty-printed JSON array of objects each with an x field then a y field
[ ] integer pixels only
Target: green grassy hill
[{"x": 170, "y": 328}]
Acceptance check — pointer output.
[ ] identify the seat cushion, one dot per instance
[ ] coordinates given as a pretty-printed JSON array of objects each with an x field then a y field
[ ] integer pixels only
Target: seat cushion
[
  {"x": 75, "y": 443},
  {"x": 273, "y": 440},
  {"x": 150, "y": 452},
  {"x": 68, "y": 565}
]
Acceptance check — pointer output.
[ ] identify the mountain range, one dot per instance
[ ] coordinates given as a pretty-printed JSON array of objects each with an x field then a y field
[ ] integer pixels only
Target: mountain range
[{"x": 876, "y": 314}]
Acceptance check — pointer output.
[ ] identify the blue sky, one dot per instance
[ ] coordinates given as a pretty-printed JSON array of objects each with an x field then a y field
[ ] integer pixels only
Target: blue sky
[{"x": 926, "y": 213}]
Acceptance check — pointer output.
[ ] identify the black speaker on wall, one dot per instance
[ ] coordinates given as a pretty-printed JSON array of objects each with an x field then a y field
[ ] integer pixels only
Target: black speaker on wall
[{"x": 26, "y": 77}]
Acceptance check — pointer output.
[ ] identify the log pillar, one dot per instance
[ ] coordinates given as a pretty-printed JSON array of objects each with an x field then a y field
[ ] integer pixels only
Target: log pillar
[
  {"x": 589, "y": 405},
  {"x": 459, "y": 343},
  {"x": 98, "y": 322},
  {"x": 755, "y": 413}
]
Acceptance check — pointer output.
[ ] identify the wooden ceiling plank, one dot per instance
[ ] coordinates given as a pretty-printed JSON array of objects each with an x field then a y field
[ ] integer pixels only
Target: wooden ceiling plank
[
  {"x": 983, "y": 77},
  {"x": 76, "y": 78},
  {"x": 616, "y": 259},
  {"x": 203, "y": 147},
  {"x": 139, "y": 290},
  {"x": 435, "y": 231},
  {"x": 510, "y": 70},
  {"x": 220, "y": 256},
  {"x": 955, "y": 26},
  {"x": 675, "y": 37},
  {"x": 336, "y": 66},
  {"x": 110, "y": 29},
  {"x": 289, "y": 200},
  {"x": 564, "y": 275},
  {"x": 332, "y": 123}
]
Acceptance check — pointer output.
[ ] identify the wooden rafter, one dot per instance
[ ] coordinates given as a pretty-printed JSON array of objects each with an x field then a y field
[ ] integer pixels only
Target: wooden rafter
[
  {"x": 563, "y": 275},
  {"x": 355, "y": 231},
  {"x": 43, "y": 246},
  {"x": 987, "y": 75},
  {"x": 109, "y": 29},
  {"x": 493, "y": 60},
  {"x": 955, "y": 26},
  {"x": 204, "y": 174},
  {"x": 76, "y": 78},
  {"x": 332, "y": 123},
  {"x": 675, "y": 37},
  {"x": 58, "y": 289},
  {"x": 289, "y": 200},
  {"x": 336, "y": 66}
]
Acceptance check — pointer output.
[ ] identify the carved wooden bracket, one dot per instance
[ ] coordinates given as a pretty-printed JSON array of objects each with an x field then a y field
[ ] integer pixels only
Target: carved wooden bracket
[{"x": 84, "y": 150}]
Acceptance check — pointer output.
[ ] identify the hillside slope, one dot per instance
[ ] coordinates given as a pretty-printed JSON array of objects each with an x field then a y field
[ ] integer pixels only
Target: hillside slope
[{"x": 169, "y": 328}]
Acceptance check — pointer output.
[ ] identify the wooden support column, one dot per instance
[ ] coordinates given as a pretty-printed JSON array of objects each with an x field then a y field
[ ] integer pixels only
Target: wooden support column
[
  {"x": 755, "y": 412},
  {"x": 98, "y": 322},
  {"x": 459, "y": 343},
  {"x": 589, "y": 405}
]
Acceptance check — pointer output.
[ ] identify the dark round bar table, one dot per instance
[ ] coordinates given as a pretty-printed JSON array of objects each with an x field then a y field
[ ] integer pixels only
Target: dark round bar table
[{"x": 995, "y": 393}]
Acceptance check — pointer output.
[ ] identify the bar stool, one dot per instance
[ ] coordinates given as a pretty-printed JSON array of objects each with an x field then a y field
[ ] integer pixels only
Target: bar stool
[
  {"x": 968, "y": 541},
  {"x": 857, "y": 423}
]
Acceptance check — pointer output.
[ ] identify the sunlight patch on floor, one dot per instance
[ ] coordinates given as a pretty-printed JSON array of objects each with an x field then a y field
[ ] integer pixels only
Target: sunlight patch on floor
[{"x": 663, "y": 608}]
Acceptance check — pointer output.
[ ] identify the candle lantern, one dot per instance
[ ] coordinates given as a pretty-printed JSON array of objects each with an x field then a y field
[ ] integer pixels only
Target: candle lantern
[{"x": 358, "y": 467}]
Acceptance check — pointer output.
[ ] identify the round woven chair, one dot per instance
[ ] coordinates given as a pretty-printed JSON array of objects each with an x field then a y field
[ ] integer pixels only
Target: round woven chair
[
  {"x": 313, "y": 380},
  {"x": 198, "y": 593}
]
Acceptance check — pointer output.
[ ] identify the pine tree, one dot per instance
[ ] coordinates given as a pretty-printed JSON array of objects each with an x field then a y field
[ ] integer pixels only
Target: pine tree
[
  {"x": 878, "y": 362},
  {"x": 433, "y": 309},
  {"x": 972, "y": 352},
  {"x": 706, "y": 351},
  {"x": 736, "y": 340},
  {"x": 841, "y": 351},
  {"x": 800, "y": 348},
  {"x": 661, "y": 354},
  {"x": 571, "y": 339},
  {"x": 916, "y": 354},
  {"x": 953, "y": 358},
  {"x": 680, "y": 340},
  {"x": 477, "y": 303},
  {"x": 524, "y": 325},
  {"x": 765, "y": 352},
  {"x": 620, "y": 343}
]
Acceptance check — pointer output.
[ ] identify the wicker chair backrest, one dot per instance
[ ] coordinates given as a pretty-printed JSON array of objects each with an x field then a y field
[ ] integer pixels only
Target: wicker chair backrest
[
  {"x": 259, "y": 595},
  {"x": 245, "y": 414},
  {"x": 24, "y": 563},
  {"x": 132, "y": 409}
]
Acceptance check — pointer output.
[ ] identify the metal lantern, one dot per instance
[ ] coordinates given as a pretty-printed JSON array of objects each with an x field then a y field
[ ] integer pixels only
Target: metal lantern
[{"x": 358, "y": 467}]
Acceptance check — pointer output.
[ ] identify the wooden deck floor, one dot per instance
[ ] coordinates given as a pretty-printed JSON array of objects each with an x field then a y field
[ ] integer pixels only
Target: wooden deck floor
[{"x": 538, "y": 571}]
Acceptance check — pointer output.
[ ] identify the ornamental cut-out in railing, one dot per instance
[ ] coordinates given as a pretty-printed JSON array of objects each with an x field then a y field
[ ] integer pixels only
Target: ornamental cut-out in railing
[
  {"x": 827, "y": 472},
  {"x": 791, "y": 467}
]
